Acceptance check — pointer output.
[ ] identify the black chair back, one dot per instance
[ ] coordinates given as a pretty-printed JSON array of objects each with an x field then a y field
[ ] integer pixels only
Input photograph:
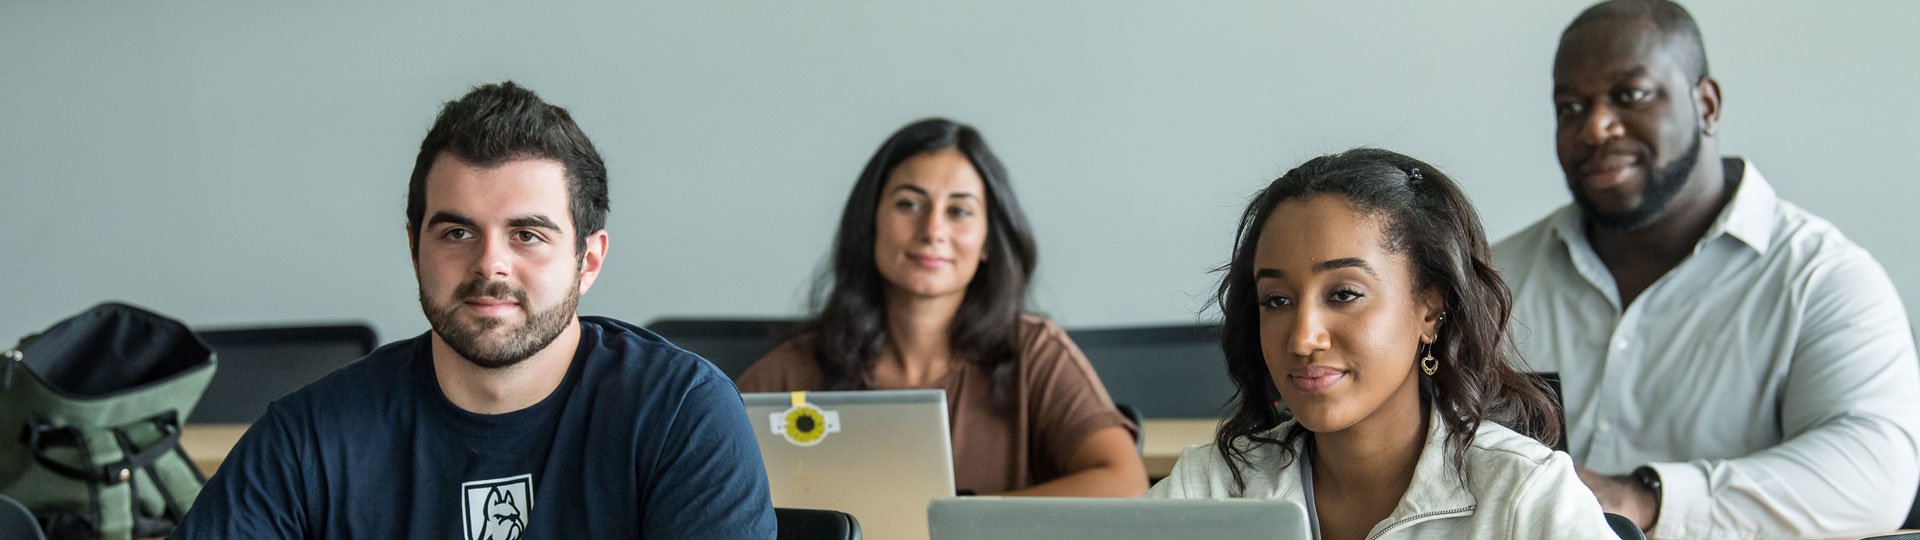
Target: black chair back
[
  {"x": 1133, "y": 415},
  {"x": 1913, "y": 516},
  {"x": 810, "y": 524},
  {"x": 1164, "y": 371},
  {"x": 733, "y": 345},
  {"x": 258, "y": 365}
]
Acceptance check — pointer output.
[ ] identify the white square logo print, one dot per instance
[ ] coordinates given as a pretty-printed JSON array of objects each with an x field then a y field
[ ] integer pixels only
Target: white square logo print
[{"x": 497, "y": 509}]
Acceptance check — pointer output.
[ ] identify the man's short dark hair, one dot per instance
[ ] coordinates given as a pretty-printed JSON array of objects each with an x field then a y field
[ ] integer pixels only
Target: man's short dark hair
[
  {"x": 497, "y": 123},
  {"x": 1670, "y": 18}
]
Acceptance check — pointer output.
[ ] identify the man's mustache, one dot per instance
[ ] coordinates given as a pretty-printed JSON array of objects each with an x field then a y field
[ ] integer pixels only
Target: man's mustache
[{"x": 491, "y": 289}]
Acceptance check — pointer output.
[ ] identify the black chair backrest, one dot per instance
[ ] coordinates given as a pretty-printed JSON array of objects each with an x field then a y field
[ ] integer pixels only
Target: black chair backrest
[
  {"x": 1625, "y": 528},
  {"x": 810, "y": 524},
  {"x": 258, "y": 365},
  {"x": 1913, "y": 516},
  {"x": 1553, "y": 389},
  {"x": 1133, "y": 415},
  {"x": 1164, "y": 371},
  {"x": 733, "y": 345},
  {"x": 1904, "y": 536}
]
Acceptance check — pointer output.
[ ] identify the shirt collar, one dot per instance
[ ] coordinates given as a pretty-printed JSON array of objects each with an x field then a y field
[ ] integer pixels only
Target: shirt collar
[
  {"x": 1748, "y": 217},
  {"x": 1436, "y": 488}
]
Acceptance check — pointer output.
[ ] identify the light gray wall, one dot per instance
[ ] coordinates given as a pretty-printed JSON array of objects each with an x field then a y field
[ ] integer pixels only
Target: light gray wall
[{"x": 239, "y": 163}]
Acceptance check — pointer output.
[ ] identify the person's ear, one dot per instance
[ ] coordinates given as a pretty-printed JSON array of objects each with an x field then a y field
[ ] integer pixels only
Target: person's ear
[
  {"x": 1706, "y": 100},
  {"x": 413, "y": 243},
  {"x": 1433, "y": 315},
  {"x": 590, "y": 261}
]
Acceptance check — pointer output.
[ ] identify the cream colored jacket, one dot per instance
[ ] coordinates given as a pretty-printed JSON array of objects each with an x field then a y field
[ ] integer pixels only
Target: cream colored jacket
[{"x": 1515, "y": 488}]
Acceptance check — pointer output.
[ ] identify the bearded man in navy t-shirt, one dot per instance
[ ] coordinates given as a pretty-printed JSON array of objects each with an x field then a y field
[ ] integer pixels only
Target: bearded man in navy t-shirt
[{"x": 513, "y": 418}]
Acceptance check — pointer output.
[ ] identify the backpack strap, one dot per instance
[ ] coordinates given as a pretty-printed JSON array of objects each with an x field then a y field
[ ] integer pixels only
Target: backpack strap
[{"x": 42, "y": 435}]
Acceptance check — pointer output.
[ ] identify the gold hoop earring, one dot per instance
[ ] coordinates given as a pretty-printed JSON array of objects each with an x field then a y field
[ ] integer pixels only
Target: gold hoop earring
[{"x": 1428, "y": 364}]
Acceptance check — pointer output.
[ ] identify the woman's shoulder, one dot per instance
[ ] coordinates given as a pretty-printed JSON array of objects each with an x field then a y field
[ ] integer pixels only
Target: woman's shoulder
[
  {"x": 1529, "y": 489},
  {"x": 1498, "y": 446},
  {"x": 789, "y": 367},
  {"x": 1042, "y": 344},
  {"x": 1046, "y": 353},
  {"x": 1042, "y": 340},
  {"x": 1035, "y": 329},
  {"x": 1502, "y": 460}
]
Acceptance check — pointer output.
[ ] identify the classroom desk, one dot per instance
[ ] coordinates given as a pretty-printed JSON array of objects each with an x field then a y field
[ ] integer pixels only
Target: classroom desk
[
  {"x": 208, "y": 444},
  {"x": 1164, "y": 438}
]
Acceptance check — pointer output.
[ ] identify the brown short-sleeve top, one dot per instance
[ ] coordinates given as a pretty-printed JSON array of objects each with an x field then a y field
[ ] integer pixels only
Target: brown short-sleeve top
[{"x": 1053, "y": 402}]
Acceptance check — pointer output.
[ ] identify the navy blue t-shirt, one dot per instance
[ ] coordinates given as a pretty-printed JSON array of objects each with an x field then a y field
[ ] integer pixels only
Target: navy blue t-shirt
[{"x": 641, "y": 440}]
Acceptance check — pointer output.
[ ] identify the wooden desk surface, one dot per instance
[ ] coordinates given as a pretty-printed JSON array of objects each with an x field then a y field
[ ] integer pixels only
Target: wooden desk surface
[
  {"x": 209, "y": 444},
  {"x": 1164, "y": 439}
]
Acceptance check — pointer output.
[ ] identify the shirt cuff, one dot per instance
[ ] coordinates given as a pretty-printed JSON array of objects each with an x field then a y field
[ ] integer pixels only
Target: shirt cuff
[{"x": 1684, "y": 507}]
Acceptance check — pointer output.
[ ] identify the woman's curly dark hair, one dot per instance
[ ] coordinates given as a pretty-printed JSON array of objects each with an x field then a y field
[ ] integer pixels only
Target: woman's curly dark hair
[{"x": 1429, "y": 220}]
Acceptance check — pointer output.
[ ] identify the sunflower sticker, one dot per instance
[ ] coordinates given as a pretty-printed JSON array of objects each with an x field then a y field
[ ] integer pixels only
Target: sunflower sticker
[{"x": 803, "y": 424}]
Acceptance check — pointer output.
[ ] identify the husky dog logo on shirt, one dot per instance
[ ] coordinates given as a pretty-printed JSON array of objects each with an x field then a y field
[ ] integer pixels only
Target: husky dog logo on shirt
[
  {"x": 497, "y": 509},
  {"x": 502, "y": 517}
]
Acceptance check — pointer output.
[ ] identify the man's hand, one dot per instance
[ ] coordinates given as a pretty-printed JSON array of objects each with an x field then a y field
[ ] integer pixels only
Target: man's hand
[{"x": 1622, "y": 495}]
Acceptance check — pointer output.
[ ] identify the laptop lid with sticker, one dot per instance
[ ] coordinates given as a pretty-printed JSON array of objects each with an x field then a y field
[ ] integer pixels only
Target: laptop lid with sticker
[{"x": 880, "y": 455}]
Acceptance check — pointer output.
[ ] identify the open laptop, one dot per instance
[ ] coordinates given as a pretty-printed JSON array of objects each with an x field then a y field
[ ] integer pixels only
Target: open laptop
[
  {"x": 1019, "y": 518},
  {"x": 880, "y": 455}
]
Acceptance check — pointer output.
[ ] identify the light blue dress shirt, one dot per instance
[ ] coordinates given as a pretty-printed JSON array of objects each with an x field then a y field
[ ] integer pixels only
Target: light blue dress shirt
[{"x": 1770, "y": 378}]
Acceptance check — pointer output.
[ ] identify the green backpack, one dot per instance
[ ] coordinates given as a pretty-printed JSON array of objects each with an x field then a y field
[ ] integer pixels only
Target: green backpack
[{"x": 90, "y": 417}]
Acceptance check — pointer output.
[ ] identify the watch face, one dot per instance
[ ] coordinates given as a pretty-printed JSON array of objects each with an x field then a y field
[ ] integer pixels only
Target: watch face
[{"x": 1649, "y": 478}]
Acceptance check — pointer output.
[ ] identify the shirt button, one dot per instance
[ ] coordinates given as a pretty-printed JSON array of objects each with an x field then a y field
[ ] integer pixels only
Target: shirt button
[
  {"x": 1619, "y": 344},
  {"x": 1605, "y": 426}
]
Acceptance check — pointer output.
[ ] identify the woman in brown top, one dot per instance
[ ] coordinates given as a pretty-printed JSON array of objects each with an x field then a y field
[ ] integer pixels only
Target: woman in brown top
[{"x": 927, "y": 285}]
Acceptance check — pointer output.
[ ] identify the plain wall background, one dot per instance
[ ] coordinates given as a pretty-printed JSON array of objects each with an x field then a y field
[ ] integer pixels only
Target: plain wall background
[{"x": 245, "y": 163}]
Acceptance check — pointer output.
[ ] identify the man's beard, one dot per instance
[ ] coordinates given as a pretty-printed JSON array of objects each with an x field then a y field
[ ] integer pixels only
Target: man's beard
[
  {"x": 1660, "y": 190},
  {"x": 465, "y": 336}
]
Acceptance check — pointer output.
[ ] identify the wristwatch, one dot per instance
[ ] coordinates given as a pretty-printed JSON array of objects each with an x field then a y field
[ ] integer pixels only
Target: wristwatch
[{"x": 1650, "y": 479}]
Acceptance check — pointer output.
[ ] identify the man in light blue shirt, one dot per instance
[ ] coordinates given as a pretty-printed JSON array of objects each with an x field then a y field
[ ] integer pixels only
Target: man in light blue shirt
[{"x": 1732, "y": 365}]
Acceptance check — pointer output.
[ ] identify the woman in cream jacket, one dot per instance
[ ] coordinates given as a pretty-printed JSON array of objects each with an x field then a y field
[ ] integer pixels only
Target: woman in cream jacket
[{"x": 1364, "y": 326}]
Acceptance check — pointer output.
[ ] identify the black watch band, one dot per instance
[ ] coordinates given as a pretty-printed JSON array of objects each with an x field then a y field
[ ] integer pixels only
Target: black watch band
[{"x": 1649, "y": 478}]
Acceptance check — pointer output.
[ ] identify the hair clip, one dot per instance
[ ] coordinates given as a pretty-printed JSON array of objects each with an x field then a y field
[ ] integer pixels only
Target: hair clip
[{"x": 1414, "y": 174}]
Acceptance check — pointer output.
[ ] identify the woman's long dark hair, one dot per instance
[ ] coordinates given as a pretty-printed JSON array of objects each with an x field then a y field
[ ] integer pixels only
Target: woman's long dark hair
[
  {"x": 850, "y": 327},
  {"x": 1429, "y": 220}
]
